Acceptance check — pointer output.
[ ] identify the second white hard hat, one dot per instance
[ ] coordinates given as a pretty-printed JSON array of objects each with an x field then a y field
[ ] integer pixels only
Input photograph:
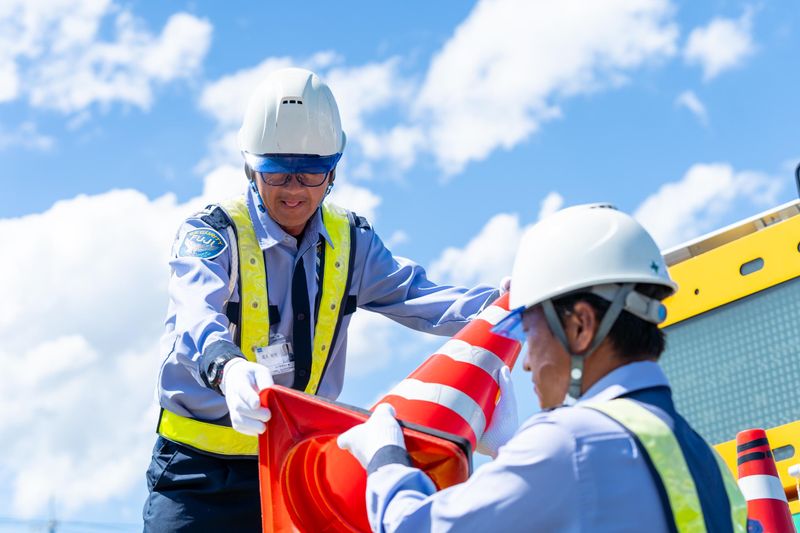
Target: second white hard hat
[
  {"x": 582, "y": 247},
  {"x": 291, "y": 113}
]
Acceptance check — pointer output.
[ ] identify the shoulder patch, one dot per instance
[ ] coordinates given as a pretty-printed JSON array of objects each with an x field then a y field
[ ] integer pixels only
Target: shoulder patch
[{"x": 205, "y": 243}]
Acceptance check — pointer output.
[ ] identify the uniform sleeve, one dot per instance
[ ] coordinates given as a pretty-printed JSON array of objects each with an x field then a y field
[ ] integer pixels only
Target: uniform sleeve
[
  {"x": 531, "y": 486},
  {"x": 399, "y": 289},
  {"x": 199, "y": 288}
]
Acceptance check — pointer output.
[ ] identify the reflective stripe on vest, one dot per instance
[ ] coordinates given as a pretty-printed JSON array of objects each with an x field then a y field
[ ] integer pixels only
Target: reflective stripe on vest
[
  {"x": 735, "y": 496},
  {"x": 665, "y": 453},
  {"x": 254, "y": 323}
]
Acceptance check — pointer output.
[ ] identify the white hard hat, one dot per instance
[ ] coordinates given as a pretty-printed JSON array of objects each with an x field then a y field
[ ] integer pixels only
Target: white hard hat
[
  {"x": 292, "y": 124},
  {"x": 583, "y": 247}
]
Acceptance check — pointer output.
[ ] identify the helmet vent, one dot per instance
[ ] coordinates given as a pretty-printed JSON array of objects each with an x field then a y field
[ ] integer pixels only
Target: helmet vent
[{"x": 292, "y": 101}]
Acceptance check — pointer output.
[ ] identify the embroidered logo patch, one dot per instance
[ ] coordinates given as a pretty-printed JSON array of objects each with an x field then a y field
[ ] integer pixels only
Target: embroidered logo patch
[{"x": 204, "y": 243}]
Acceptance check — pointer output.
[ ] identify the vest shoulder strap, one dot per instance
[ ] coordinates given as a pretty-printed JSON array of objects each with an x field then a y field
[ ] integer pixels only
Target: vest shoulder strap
[
  {"x": 254, "y": 300},
  {"x": 666, "y": 457}
]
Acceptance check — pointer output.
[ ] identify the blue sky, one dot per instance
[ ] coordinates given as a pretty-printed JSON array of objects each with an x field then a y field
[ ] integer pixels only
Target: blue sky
[{"x": 466, "y": 123}]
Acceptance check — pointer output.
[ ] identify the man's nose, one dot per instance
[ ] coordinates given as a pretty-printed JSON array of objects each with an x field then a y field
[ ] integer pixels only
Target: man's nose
[{"x": 294, "y": 182}]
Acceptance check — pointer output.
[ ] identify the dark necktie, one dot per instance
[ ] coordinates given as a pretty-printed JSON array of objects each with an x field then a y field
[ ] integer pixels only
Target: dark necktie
[{"x": 301, "y": 330}]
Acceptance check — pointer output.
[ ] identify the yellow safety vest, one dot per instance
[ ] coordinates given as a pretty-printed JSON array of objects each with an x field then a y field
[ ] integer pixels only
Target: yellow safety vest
[
  {"x": 254, "y": 322},
  {"x": 665, "y": 453}
]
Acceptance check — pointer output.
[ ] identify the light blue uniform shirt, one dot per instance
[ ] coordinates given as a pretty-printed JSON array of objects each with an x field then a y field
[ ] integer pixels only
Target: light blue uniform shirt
[
  {"x": 568, "y": 469},
  {"x": 199, "y": 289}
]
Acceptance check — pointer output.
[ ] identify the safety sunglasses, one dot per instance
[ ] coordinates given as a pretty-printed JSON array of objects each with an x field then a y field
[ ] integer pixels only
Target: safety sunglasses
[
  {"x": 280, "y": 179},
  {"x": 511, "y": 326}
]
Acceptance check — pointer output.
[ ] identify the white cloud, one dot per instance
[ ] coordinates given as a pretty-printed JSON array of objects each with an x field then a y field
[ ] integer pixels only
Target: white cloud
[
  {"x": 487, "y": 258},
  {"x": 697, "y": 203},
  {"x": 369, "y": 343},
  {"x": 9, "y": 80},
  {"x": 551, "y": 203},
  {"x": 401, "y": 144},
  {"x": 502, "y": 73},
  {"x": 87, "y": 297},
  {"x": 396, "y": 239},
  {"x": 491, "y": 85},
  {"x": 26, "y": 136},
  {"x": 722, "y": 45},
  {"x": 53, "y": 52},
  {"x": 690, "y": 101},
  {"x": 359, "y": 199},
  {"x": 366, "y": 89}
]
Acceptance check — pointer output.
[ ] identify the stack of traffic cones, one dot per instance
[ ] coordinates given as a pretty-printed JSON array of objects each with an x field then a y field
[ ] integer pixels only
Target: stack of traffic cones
[{"x": 309, "y": 484}]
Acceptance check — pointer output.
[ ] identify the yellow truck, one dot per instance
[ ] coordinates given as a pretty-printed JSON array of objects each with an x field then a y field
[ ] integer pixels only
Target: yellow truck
[{"x": 733, "y": 352}]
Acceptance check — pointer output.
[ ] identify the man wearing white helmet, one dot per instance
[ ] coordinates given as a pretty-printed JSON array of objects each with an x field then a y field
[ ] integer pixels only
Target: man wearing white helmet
[
  {"x": 587, "y": 291},
  {"x": 262, "y": 290}
]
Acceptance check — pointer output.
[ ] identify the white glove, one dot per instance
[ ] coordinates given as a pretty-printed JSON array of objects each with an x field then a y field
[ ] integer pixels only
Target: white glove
[
  {"x": 241, "y": 383},
  {"x": 380, "y": 430},
  {"x": 505, "y": 285},
  {"x": 504, "y": 420}
]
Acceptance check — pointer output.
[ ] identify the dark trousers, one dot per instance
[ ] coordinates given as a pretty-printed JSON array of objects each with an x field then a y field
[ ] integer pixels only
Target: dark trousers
[{"x": 196, "y": 492}]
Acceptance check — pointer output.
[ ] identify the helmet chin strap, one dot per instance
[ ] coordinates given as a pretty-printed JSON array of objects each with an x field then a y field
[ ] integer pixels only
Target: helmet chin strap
[{"x": 577, "y": 360}]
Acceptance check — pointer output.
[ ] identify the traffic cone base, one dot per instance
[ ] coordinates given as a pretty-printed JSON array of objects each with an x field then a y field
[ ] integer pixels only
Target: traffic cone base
[{"x": 309, "y": 484}]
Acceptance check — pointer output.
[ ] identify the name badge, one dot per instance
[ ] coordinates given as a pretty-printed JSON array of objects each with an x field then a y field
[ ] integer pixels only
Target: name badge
[{"x": 278, "y": 357}]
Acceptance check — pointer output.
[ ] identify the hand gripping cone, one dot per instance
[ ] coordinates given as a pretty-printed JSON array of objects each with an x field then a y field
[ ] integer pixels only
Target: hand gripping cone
[
  {"x": 767, "y": 508},
  {"x": 309, "y": 484}
]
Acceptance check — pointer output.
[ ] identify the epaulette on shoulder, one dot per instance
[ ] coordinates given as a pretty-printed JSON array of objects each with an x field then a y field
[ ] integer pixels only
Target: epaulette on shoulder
[
  {"x": 216, "y": 217},
  {"x": 360, "y": 222}
]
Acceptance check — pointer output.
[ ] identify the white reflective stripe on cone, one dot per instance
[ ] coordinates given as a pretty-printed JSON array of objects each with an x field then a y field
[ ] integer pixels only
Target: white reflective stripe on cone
[
  {"x": 464, "y": 352},
  {"x": 493, "y": 314},
  {"x": 446, "y": 396},
  {"x": 759, "y": 487}
]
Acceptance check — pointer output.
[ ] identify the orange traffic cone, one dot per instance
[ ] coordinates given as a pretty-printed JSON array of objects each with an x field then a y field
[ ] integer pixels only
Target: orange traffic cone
[
  {"x": 309, "y": 484},
  {"x": 767, "y": 508},
  {"x": 455, "y": 389}
]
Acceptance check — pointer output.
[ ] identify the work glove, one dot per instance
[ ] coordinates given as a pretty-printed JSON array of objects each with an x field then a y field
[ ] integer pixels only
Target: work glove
[
  {"x": 241, "y": 383},
  {"x": 505, "y": 285},
  {"x": 379, "y": 431},
  {"x": 504, "y": 420}
]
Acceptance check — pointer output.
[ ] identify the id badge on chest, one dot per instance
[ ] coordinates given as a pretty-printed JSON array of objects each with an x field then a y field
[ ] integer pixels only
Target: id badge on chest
[{"x": 278, "y": 357}]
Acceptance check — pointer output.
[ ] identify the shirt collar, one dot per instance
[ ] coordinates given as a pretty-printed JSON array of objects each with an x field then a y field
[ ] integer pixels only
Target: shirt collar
[
  {"x": 625, "y": 379},
  {"x": 269, "y": 233}
]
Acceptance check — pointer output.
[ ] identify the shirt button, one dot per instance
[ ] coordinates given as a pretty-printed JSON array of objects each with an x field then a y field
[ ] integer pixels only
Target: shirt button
[
  {"x": 301, "y": 316},
  {"x": 302, "y": 373}
]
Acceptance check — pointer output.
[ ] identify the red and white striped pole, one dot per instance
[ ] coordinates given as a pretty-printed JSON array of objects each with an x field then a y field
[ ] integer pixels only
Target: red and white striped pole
[
  {"x": 455, "y": 389},
  {"x": 760, "y": 484}
]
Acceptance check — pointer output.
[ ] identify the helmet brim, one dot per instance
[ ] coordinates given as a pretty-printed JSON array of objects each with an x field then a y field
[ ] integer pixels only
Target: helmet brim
[{"x": 291, "y": 163}]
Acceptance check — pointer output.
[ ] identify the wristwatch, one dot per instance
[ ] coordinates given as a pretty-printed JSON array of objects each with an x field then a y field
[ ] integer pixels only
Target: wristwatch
[{"x": 214, "y": 359}]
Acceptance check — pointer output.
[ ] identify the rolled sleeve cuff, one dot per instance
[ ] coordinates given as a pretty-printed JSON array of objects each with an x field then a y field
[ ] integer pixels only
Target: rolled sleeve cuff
[{"x": 387, "y": 455}]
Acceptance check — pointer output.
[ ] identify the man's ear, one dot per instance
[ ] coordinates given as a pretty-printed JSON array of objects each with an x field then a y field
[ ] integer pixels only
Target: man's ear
[
  {"x": 248, "y": 172},
  {"x": 580, "y": 326},
  {"x": 331, "y": 177}
]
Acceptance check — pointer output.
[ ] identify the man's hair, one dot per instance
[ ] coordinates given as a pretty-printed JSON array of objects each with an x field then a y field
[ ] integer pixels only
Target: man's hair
[{"x": 633, "y": 338}]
